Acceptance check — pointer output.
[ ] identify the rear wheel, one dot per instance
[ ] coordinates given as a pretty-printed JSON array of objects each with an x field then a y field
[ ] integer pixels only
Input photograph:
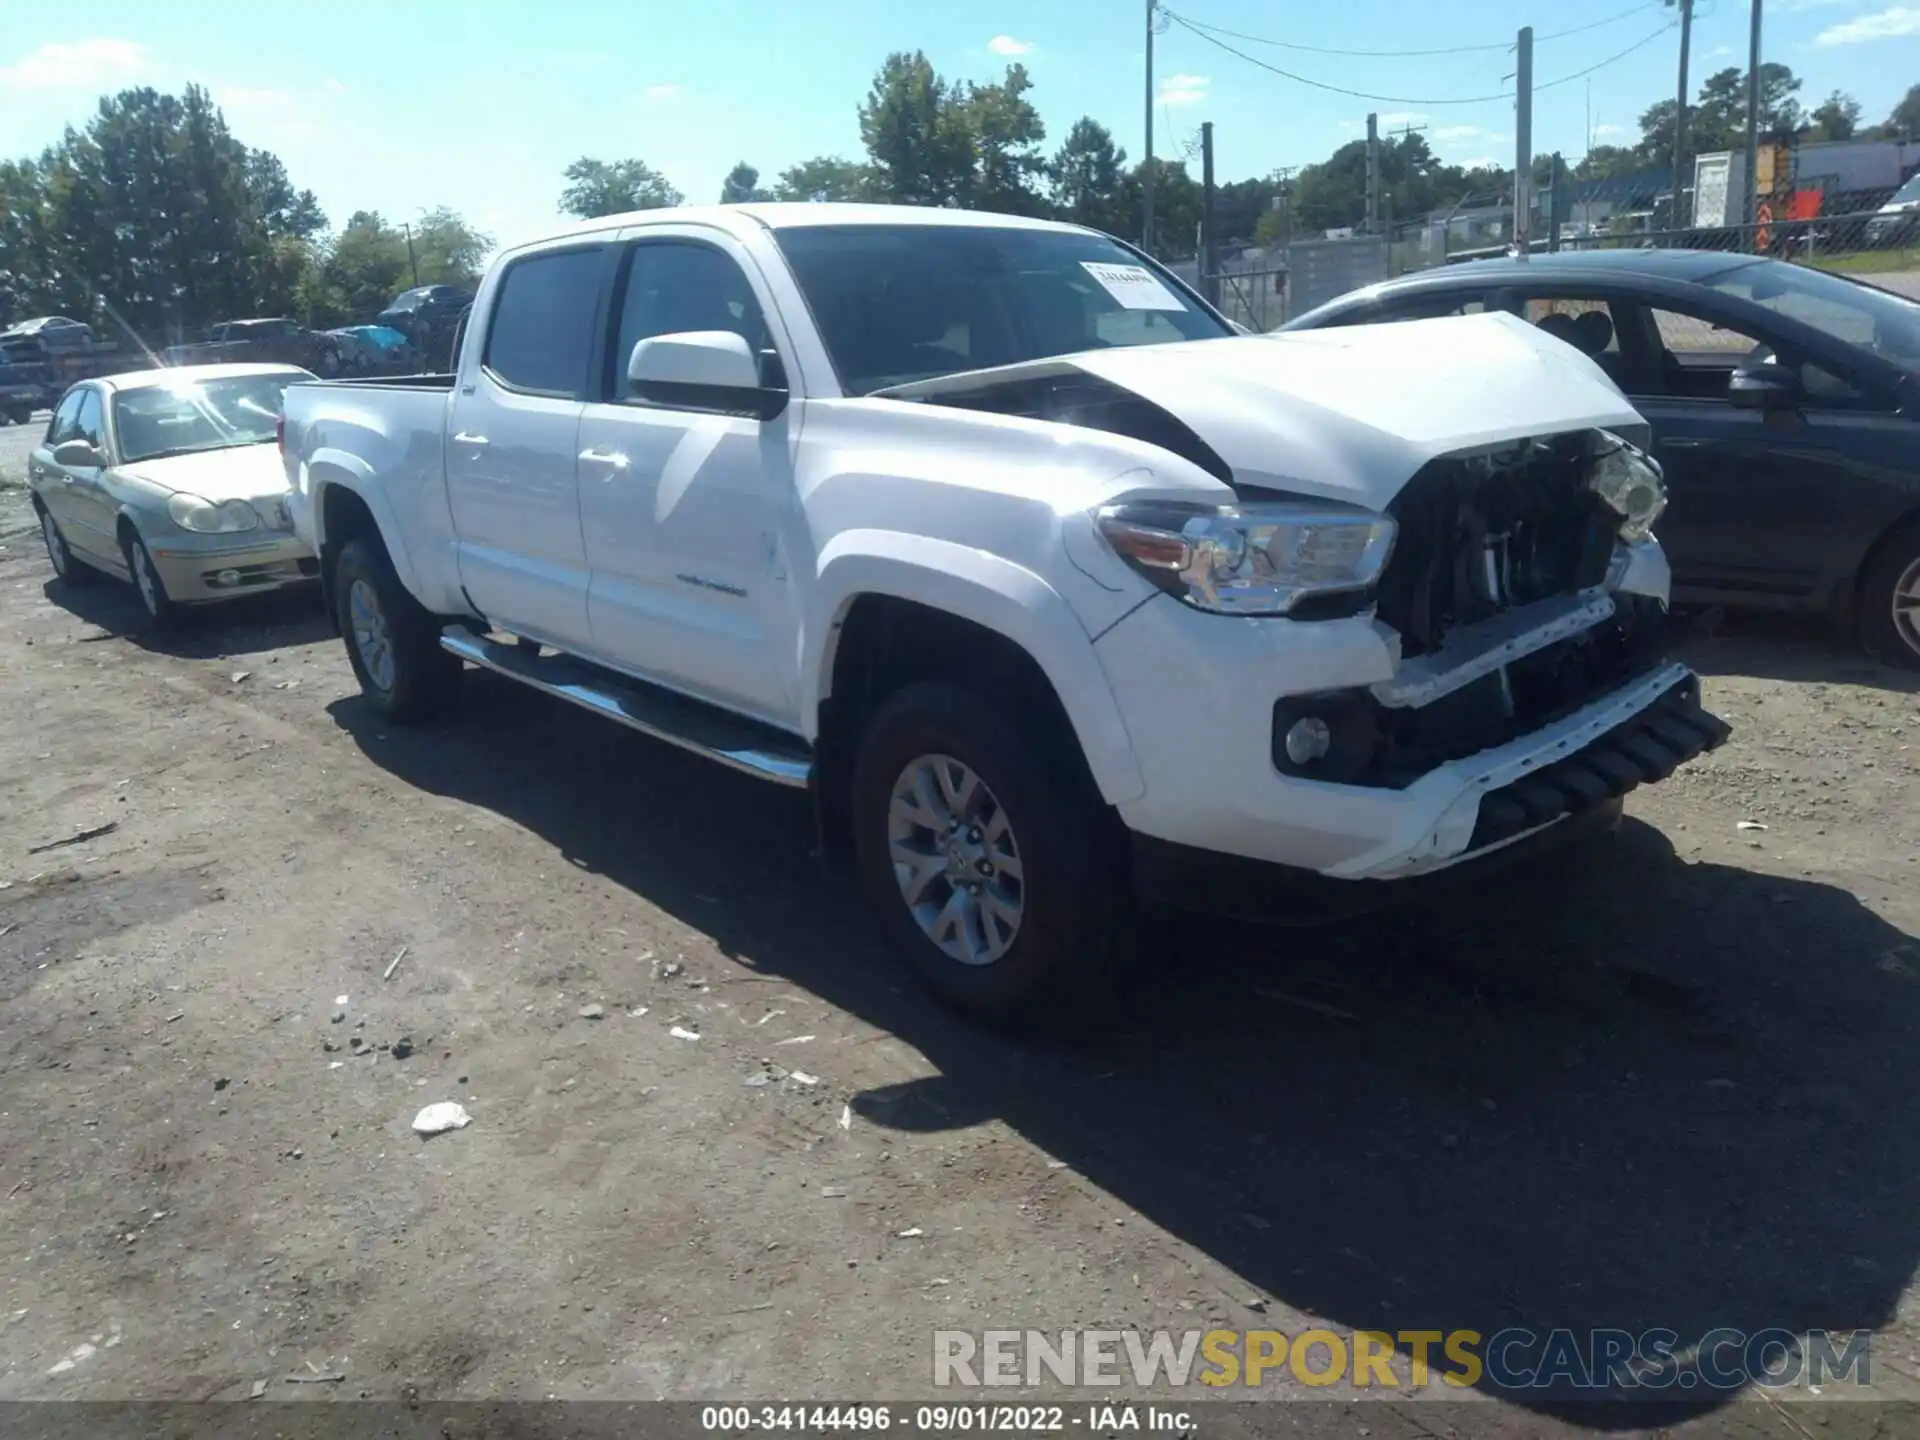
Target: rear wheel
[
  {"x": 392, "y": 642},
  {"x": 988, "y": 864},
  {"x": 60, "y": 555},
  {"x": 1890, "y": 601}
]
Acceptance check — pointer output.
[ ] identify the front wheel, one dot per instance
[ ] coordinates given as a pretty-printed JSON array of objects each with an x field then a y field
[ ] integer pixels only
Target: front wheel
[
  {"x": 993, "y": 871},
  {"x": 157, "y": 608},
  {"x": 392, "y": 642},
  {"x": 1890, "y": 601}
]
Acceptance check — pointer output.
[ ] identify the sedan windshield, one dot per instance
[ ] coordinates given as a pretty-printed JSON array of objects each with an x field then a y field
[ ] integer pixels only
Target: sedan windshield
[
  {"x": 155, "y": 421},
  {"x": 897, "y": 303},
  {"x": 1848, "y": 310}
]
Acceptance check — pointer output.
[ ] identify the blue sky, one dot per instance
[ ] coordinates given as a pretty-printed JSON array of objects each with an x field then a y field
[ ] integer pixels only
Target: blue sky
[{"x": 406, "y": 104}]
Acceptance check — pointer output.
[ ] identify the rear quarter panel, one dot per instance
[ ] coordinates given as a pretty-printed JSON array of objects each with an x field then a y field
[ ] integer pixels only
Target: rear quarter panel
[{"x": 384, "y": 444}]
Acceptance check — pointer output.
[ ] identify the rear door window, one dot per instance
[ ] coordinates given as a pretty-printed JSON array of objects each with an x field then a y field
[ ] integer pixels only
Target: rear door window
[{"x": 540, "y": 338}]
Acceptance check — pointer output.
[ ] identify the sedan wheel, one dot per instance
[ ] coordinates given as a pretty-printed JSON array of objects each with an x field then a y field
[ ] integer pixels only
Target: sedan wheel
[
  {"x": 1890, "y": 600},
  {"x": 56, "y": 545},
  {"x": 160, "y": 610},
  {"x": 1905, "y": 604}
]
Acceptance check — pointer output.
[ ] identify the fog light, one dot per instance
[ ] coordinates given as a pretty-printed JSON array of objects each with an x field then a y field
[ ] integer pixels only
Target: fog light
[
  {"x": 227, "y": 577},
  {"x": 1308, "y": 740}
]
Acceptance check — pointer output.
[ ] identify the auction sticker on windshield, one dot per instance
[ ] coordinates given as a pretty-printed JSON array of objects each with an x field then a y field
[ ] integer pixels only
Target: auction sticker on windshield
[{"x": 1134, "y": 286}]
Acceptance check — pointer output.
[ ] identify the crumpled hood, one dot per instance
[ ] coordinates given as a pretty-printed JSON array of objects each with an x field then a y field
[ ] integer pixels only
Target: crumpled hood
[
  {"x": 1353, "y": 413},
  {"x": 240, "y": 472}
]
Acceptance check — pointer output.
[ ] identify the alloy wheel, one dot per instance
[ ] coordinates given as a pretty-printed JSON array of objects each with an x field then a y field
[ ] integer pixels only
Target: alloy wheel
[
  {"x": 56, "y": 544},
  {"x": 372, "y": 640},
  {"x": 1906, "y": 606},
  {"x": 956, "y": 859}
]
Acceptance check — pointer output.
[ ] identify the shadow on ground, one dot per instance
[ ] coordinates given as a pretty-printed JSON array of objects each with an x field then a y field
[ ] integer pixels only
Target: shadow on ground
[
  {"x": 246, "y": 626},
  {"x": 1799, "y": 649},
  {"x": 1620, "y": 1091}
]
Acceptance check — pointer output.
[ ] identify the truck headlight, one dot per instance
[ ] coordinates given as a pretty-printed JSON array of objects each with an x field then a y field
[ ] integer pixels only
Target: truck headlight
[
  {"x": 1256, "y": 559},
  {"x": 1629, "y": 480},
  {"x": 203, "y": 517}
]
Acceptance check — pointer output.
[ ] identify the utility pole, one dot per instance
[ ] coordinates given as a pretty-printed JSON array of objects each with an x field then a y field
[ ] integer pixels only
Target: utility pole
[
  {"x": 1753, "y": 115},
  {"x": 1523, "y": 144},
  {"x": 412, "y": 263},
  {"x": 1146, "y": 165},
  {"x": 1373, "y": 173},
  {"x": 1209, "y": 222},
  {"x": 1678, "y": 218}
]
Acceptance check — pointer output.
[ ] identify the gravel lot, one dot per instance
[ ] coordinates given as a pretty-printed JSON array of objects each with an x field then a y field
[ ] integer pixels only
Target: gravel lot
[{"x": 1667, "y": 1081}]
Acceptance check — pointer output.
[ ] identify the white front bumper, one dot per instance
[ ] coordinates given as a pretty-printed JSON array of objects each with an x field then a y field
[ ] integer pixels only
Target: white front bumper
[{"x": 1197, "y": 693}]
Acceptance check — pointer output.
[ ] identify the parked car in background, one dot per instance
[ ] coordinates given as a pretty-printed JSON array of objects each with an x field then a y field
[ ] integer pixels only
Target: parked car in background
[
  {"x": 1051, "y": 589},
  {"x": 1895, "y": 222},
  {"x": 277, "y": 341},
  {"x": 374, "y": 349},
  {"x": 424, "y": 305},
  {"x": 170, "y": 479},
  {"x": 59, "y": 334},
  {"x": 1785, "y": 411},
  {"x": 26, "y": 379}
]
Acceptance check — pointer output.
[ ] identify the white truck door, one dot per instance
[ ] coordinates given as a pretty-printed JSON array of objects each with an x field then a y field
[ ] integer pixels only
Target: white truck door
[
  {"x": 683, "y": 509},
  {"x": 511, "y": 441}
]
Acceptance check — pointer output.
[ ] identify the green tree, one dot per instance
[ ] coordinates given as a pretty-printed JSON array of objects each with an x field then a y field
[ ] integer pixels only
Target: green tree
[
  {"x": 742, "y": 185},
  {"x": 1006, "y": 133},
  {"x": 1087, "y": 177},
  {"x": 827, "y": 177},
  {"x": 363, "y": 269},
  {"x": 1176, "y": 209},
  {"x": 1835, "y": 118},
  {"x": 1904, "y": 122},
  {"x": 1604, "y": 162},
  {"x": 447, "y": 250},
  {"x": 602, "y": 187},
  {"x": 918, "y": 134}
]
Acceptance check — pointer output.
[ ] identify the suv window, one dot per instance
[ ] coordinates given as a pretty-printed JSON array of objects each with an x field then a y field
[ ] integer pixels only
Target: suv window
[
  {"x": 679, "y": 285},
  {"x": 541, "y": 334},
  {"x": 62, "y": 427}
]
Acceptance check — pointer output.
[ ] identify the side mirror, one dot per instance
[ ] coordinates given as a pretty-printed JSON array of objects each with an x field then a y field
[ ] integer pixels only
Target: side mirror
[
  {"x": 1764, "y": 387},
  {"x": 712, "y": 370},
  {"x": 78, "y": 455}
]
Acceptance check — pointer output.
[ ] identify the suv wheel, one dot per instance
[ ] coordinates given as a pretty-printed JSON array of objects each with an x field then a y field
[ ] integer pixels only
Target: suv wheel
[
  {"x": 986, "y": 861},
  {"x": 1890, "y": 601},
  {"x": 392, "y": 642}
]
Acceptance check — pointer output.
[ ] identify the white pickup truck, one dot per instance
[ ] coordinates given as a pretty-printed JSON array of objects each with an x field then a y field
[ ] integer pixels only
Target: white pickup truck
[{"x": 1058, "y": 593}]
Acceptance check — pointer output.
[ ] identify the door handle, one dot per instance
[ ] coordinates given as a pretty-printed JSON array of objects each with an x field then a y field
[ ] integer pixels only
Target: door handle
[
  {"x": 613, "y": 458},
  {"x": 463, "y": 438}
]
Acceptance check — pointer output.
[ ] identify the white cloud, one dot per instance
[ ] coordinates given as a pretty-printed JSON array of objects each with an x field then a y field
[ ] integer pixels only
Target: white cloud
[
  {"x": 1615, "y": 129},
  {"x": 1480, "y": 162},
  {"x": 1720, "y": 52},
  {"x": 82, "y": 65},
  {"x": 662, "y": 94},
  {"x": 1389, "y": 122},
  {"x": 1007, "y": 45},
  {"x": 1456, "y": 132},
  {"x": 1887, "y": 25},
  {"x": 337, "y": 86},
  {"x": 1793, "y": 5},
  {"x": 1184, "y": 89}
]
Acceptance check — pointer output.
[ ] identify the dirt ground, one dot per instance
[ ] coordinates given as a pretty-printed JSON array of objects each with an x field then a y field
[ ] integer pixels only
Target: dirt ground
[{"x": 1665, "y": 1081}]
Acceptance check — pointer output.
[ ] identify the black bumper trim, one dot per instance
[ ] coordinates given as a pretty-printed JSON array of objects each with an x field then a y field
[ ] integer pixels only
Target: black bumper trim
[{"x": 1649, "y": 747}]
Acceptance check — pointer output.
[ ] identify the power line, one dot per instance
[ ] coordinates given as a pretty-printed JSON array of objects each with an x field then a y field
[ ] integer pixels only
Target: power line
[
  {"x": 1389, "y": 54},
  {"x": 1408, "y": 99}
]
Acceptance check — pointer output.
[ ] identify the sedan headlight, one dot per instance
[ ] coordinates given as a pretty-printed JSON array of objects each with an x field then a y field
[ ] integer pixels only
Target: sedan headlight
[
  {"x": 1256, "y": 559},
  {"x": 203, "y": 517},
  {"x": 1629, "y": 480}
]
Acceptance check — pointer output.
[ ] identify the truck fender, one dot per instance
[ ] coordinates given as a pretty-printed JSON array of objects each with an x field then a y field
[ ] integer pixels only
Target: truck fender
[
  {"x": 991, "y": 592},
  {"x": 329, "y": 467}
]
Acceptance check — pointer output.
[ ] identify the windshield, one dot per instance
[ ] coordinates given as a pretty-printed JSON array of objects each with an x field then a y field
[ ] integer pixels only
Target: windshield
[
  {"x": 1852, "y": 312},
  {"x": 897, "y": 303},
  {"x": 1907, "y": 194},
  {"x": 156, "y": 421}
]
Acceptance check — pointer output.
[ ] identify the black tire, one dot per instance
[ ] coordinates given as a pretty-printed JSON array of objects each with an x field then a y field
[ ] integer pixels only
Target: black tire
[
  {"x": 412, "y": 679},
  {"x": 1068, "y": 953},
  {"x": 158, "y": 610},
  {"x": 1893, "y": 575},
  {"x": 68, "y": 568}
]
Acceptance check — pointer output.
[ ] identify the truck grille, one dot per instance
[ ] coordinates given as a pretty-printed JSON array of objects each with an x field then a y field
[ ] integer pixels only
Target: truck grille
[{"x": 1481, "y": 534}]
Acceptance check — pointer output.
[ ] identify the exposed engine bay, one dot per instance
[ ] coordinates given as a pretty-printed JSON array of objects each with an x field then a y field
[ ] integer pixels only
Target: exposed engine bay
[{"x": 1486, "y": 533}]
